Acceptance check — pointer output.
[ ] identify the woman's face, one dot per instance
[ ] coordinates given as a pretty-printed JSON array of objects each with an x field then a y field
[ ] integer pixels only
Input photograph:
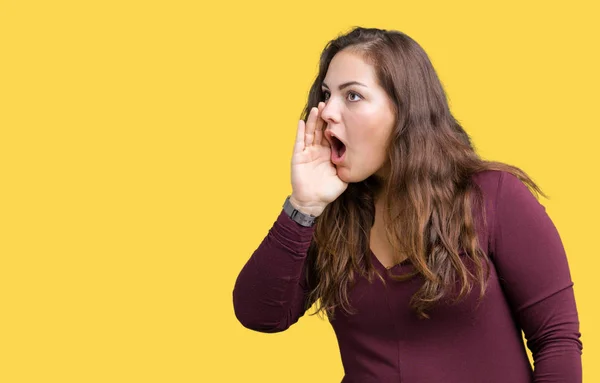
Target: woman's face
[{"x": 360, "y": 115}]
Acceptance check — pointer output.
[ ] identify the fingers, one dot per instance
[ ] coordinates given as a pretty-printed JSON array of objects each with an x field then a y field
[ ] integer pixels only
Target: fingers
[
  {"x": 320, "y": 125},
  {"x": 309, "y": 136},
  {"x": 299, "y": 144},
  {"x": 311, "y": 132}
]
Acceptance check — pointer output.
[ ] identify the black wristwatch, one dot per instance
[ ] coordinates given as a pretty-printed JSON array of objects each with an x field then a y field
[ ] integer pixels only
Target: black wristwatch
[{"x": 298, "y": 216}]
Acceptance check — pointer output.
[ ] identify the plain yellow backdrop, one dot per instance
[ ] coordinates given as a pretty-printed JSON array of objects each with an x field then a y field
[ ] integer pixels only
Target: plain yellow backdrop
[{"x": 145, "y": 149}]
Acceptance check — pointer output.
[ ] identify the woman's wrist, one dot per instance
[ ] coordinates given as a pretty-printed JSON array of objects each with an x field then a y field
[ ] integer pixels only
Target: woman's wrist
[{"x": 307, "y": 208}]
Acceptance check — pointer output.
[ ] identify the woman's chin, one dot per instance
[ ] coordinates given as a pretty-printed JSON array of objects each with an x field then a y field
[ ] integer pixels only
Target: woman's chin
[
  {"x": 343, "y": 173},
  {"x": 347, "y": 176}
]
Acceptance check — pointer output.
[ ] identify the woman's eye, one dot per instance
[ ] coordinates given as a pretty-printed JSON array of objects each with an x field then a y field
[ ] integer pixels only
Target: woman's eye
[
  {"x": 354, "y": 94},
  {"x": 351, "y": 94}
]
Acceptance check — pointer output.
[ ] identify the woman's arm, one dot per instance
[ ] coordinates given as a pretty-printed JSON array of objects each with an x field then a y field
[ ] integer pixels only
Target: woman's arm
[
  {"x": 270, "y": 293},
  {"x": 534, "y": 272}
]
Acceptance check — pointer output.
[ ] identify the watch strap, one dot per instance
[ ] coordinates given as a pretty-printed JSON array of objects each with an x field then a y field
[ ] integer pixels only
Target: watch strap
[{"x": 296, "y": 215}]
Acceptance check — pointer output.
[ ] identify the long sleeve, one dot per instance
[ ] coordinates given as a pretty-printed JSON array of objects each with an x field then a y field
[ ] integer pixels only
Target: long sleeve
[
  {"x": 270, "y": 293},
  {"x": 532, "y": 266}
]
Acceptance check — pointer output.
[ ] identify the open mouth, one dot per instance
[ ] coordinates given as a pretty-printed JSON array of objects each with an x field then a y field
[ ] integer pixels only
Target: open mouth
[{"x": 338, "y": 146}]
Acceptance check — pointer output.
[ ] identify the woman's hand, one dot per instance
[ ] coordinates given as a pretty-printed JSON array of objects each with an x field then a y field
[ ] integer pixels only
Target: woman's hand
[{"x": 315, "y": 183}]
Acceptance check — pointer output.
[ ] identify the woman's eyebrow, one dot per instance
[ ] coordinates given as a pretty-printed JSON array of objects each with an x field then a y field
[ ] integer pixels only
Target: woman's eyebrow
[{"x": 346, "y": 84}]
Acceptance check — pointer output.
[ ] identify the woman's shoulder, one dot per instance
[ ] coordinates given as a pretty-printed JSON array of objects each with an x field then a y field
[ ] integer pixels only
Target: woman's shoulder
[
  {"x": 498, "y": 185},
  {"x": 495, "y": 182},
  {"x": 504, "y": 191},
  {"x": 489, "y": 180}
]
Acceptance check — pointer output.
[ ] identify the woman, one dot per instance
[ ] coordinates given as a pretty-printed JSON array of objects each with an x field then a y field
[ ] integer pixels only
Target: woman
[{"x": 428, "y": 260}]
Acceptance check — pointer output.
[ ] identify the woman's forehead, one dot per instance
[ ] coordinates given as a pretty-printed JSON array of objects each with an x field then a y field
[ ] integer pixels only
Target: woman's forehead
[{"x": 347, "y": 67}]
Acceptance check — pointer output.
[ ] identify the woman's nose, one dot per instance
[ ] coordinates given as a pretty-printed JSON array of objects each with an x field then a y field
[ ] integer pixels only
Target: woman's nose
[{"x": 329, "y": 114}]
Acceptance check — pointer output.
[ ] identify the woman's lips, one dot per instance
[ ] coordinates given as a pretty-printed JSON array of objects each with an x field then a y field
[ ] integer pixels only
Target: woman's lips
[
  {"x": 338, "y": 152},
  {"x": 338, "y": 148}
]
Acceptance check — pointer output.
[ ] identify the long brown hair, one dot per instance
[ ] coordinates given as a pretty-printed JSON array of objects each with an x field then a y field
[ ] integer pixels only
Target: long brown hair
[{"x": 429, "y": 192}]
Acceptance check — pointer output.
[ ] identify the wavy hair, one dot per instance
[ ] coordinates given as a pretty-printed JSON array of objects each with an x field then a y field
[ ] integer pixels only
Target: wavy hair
[{"x": 430, "y": 195}]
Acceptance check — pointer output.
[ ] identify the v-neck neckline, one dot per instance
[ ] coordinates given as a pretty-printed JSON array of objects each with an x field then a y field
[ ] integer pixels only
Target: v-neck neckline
[{"x": 378, "y": 262}]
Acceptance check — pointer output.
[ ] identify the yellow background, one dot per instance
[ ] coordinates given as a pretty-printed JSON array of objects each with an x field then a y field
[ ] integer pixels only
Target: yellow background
[{"x": 145, "y": 152}]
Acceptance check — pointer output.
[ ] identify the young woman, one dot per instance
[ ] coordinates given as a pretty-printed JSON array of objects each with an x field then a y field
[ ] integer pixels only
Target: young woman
[{"x": 428, "y": 260}]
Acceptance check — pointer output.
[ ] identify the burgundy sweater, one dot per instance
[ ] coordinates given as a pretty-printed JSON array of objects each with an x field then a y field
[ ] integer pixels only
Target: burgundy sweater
[{"x": 530, "y": 290}]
